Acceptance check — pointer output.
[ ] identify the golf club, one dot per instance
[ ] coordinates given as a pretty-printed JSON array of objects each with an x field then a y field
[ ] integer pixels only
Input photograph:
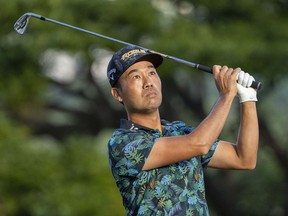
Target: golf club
[{"x": 22, "y": 23}]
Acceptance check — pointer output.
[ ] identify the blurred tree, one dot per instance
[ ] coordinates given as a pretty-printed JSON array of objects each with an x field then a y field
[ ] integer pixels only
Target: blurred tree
[
  {"x": 42, "y": 177},
  {"x": 53, "y": 85}
]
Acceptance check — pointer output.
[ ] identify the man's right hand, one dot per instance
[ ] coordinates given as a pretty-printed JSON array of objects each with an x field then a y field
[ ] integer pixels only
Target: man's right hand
[{"x": 225, "y": 79}]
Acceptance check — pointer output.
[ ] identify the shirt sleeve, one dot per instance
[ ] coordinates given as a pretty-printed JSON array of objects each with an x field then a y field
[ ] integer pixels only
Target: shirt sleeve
[
  {"x": 205, "y": 159},
  {"x": 128, "y": 152}
]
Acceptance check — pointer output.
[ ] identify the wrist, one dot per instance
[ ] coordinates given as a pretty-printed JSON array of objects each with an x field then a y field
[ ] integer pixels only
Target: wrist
[
  {"x": 246, "y": 94},
  {"x": 252, "y": 97},
  {"x": 227, "y": 97},
  {"x": 248, "y": 101}
]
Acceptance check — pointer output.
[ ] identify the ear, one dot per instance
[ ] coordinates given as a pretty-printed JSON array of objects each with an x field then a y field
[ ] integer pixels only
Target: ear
[{"x": 116, "y": 94}]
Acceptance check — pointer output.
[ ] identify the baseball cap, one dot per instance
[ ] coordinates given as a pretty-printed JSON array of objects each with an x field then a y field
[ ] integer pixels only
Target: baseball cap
[{"x": 126, "y": 57}]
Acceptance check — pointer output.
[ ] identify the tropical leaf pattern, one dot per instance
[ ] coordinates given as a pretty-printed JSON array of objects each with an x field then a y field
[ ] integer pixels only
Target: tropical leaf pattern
[{"x": 177, "y": 189}]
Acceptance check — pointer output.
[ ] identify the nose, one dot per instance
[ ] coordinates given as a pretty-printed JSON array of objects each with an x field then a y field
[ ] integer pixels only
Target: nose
[{"x": 147, "y": 82}]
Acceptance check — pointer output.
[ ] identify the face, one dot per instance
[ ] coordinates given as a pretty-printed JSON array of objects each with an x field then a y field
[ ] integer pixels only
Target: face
[{"x": 140, "y": 89}]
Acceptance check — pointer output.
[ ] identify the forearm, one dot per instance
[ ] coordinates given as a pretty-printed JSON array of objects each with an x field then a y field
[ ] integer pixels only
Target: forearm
[
  {"x": 248, "y": 136},
  {"x": 168, "y": 150},
  {"x": 210, "y": 128}
]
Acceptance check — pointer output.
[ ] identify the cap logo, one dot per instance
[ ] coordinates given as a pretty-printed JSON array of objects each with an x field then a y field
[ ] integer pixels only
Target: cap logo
[
  {"x": 111, "y": 73},
  {"x": 127, "y": 55}
]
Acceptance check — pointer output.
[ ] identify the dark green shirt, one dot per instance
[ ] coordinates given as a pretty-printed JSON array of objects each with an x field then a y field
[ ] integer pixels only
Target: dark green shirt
[{"x": 177, "y": 189}]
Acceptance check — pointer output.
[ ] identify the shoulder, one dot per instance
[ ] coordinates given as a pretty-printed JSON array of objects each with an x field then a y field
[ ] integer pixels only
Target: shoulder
[
  {"x": 123, "y": 138},
  {"x": 121, "y": 135},
  {"x": 129, "y": 149},
  {"x": 177, "y": 125},
  {"x": 174, "y": 123}
]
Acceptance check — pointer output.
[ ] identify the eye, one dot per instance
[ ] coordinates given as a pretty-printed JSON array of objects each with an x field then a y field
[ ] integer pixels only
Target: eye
[
  {"x": 136, "y": 76},
  {"x": 152, "y": 72}
]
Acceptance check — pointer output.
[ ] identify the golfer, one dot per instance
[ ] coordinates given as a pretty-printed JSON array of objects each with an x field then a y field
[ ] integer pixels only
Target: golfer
[{"x": 157, "y": 164}]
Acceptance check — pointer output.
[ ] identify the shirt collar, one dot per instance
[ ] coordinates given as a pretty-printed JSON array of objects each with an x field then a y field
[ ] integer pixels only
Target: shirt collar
[{"x": 129, "y": 125}]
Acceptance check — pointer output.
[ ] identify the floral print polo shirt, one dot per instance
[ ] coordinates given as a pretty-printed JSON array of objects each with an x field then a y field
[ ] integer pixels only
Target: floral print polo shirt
[{"x": 176, "y": 189}]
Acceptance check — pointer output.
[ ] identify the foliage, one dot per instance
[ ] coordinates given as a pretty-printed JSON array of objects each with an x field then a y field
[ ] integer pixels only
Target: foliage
[
  {"x": 41, "y": 177},
  {"x": 52, "y": 145}
]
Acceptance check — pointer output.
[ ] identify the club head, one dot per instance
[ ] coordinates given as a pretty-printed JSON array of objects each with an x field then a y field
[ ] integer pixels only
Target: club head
[{"x": 21, "y": 24}]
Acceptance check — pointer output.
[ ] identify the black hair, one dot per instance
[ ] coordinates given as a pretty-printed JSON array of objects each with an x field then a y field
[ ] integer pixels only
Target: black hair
[{"x": 118, "y": 85}]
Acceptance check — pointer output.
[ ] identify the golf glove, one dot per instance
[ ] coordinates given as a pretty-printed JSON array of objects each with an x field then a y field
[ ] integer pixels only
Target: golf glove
[{"x": 245, "y": 92}]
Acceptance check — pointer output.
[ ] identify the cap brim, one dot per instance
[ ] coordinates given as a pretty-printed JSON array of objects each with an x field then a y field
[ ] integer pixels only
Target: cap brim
[{"x": 155, "y": 59}]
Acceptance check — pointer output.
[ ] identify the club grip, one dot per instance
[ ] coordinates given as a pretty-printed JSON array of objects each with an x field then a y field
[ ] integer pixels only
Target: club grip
[
  {"x": 204, "y": 68},
  {"x": 255, "y": 84}
]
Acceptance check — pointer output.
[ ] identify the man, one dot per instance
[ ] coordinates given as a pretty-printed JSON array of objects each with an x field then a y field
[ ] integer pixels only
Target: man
[{"x": 158, "y": 165}]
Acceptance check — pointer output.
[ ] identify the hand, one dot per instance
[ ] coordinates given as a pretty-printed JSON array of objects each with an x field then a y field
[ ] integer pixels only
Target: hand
[
  {"x": 244, "y": 91},
  {"x": 225, "y": 79}
]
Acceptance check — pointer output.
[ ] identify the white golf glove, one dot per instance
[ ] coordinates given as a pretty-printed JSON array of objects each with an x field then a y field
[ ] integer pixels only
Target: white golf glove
[{"x": 245, "y": 92}]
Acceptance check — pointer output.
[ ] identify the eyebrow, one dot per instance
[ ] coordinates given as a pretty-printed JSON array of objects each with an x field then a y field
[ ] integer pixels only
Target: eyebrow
[{"x": 136, "y": 70}]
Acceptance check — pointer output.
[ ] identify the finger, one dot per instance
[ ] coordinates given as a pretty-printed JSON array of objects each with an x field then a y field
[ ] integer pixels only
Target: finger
[
  {"x": 216, "y": 69},
  {"x": 240, "y": 77},
  {"x": 251, "y": 79},
  {"x": 223, "y": 71},
  {"x": 236, "y": 73},
  {"x": 246, "y": 79},
  {"x": 224, "y": 68},
  {"x": 237, "y": 70}
]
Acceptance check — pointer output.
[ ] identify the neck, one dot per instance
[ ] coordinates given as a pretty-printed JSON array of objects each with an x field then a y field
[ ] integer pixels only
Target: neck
[{"x": 151, "y": 120}]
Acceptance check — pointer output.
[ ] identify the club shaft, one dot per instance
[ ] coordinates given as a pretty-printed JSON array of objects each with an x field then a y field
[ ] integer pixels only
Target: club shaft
[
  {"x": 256, "y": 85},
  {"x": 125, "y": 43}
]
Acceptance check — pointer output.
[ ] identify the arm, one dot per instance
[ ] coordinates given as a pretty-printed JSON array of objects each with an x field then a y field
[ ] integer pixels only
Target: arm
[
  {"x": 168, "y": 150},
  {"x": 243, "y": 155}
]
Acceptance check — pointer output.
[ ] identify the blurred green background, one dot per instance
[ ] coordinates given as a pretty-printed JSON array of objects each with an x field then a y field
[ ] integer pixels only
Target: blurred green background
[{"x": 56, "y": 113}]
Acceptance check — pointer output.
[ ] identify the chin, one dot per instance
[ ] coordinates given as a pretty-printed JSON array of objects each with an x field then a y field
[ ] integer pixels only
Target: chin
[{"x": 154, "y": 106}]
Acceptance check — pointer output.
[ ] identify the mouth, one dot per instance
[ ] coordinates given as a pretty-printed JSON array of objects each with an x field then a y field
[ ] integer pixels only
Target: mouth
[{"x": 151, "y": 93}]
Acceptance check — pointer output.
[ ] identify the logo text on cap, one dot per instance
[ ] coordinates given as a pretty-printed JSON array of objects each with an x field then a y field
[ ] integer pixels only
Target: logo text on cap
[{"x": 131, "y": 52}]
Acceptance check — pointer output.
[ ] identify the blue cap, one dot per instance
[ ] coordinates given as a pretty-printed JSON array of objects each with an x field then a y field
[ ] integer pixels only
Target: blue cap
[{"x": 126, "y": 57}]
